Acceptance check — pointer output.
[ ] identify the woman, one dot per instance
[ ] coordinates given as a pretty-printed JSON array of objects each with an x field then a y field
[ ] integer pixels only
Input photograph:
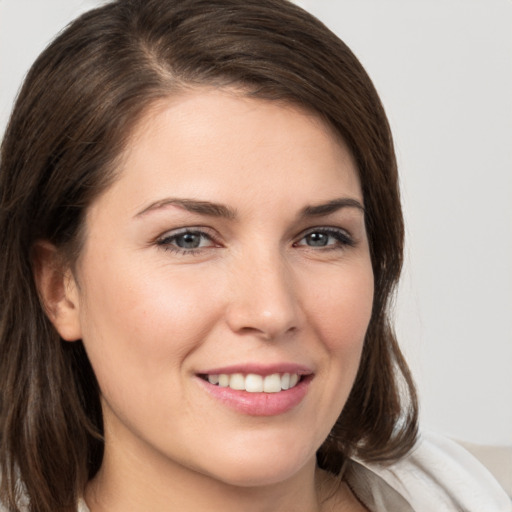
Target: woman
[{"x": 202, "y": 230}]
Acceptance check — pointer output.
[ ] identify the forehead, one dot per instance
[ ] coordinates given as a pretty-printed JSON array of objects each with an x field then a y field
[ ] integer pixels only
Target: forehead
[{"x": 210, "y": 141}]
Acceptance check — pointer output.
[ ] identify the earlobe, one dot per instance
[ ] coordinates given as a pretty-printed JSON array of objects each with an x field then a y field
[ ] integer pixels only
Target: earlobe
[{"x": 57, "y": 290}]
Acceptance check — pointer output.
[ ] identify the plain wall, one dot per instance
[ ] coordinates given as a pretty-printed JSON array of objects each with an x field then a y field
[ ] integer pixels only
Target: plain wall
[{"x": 444, "y": 72}]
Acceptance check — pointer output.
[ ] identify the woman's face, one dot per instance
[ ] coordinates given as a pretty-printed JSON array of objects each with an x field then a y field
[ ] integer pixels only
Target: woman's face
[{"x": 227, "y": 263}]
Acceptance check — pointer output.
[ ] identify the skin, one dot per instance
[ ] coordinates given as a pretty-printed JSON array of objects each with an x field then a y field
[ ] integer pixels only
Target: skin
[{"x": 153, "y": 315}]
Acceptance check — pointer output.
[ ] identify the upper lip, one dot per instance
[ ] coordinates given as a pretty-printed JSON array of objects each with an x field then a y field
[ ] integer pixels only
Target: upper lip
[{"x": 259, "y": 369}]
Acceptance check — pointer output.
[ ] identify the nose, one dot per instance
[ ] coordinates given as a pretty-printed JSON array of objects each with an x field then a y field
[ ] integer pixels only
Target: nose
[{"x": 264, "y": 300}]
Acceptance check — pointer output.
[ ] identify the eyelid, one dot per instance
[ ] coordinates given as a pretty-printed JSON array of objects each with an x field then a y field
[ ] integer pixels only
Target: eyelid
[
  {"x": 182, "y": 230},
  {"x": 325, "y": 229}
]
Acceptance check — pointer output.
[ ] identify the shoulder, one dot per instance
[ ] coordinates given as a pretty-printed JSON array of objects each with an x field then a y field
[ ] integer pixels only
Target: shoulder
[{"x": 438, "y": 475}]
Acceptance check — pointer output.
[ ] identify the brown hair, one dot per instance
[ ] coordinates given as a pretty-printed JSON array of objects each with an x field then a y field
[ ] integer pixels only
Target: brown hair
[{"x": 73, "y": 118}]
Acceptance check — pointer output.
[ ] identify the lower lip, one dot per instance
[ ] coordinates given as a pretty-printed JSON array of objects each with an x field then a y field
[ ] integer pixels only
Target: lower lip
[{"x": 259, "y": 404}]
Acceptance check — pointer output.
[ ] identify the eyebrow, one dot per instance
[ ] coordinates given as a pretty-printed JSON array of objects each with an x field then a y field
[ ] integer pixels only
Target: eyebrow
[
  {"x": 330, "y": 207},
  {"x": 220, "y": 210},
  {"x": 192, "y": 205}
]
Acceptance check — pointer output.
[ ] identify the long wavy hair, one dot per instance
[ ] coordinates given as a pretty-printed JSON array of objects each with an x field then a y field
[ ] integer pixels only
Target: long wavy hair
[{"x": 72, "y": 120}]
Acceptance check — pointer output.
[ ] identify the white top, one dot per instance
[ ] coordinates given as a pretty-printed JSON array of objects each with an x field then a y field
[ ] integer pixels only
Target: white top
[{"x": 437, "y": 476}]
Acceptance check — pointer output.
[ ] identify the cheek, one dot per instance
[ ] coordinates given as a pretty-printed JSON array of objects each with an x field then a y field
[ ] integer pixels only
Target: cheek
[
  {"x": 342, "y": 309},
  {"x": 339, "y": 313},
  {"x": 143, "y": 323}
]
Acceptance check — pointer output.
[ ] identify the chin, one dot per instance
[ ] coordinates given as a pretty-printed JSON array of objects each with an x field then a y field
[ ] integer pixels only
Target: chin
[
  {"x": 272, "y": 473},
  {"x": 260, "y": 467}
]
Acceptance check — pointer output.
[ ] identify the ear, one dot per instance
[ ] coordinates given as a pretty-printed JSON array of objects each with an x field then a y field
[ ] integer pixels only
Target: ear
[{"x": 57, "y": 289}]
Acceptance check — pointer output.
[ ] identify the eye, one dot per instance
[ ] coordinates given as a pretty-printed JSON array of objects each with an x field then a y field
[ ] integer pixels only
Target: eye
[
  {"x": 329, "y": 238},
  {"x": 186, "y": 241}
]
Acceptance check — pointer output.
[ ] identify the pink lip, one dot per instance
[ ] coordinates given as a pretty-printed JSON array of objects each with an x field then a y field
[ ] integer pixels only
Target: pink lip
[{"x": 259, "y": 404}]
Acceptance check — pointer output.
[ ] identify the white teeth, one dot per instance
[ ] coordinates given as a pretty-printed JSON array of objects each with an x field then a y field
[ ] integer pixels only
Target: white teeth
[
  {"x": 254, "y": 383},
  {"x": 223, "y": 380},
  {"x": 237, "y": 381},
  {"x": 272, "y": 383}
]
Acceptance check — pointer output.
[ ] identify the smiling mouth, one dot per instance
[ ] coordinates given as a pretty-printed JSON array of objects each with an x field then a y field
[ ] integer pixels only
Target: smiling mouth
[{"x": 254, "y": 383}]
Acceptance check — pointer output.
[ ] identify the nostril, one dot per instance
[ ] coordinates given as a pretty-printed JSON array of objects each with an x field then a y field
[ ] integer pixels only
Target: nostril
[{"x": 267, "y": 333}]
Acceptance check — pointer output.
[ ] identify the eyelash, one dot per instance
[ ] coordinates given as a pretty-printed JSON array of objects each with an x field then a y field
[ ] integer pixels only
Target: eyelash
[
  {"x": 342, "y": 238},
  {"x": 167, "y": 240}
]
